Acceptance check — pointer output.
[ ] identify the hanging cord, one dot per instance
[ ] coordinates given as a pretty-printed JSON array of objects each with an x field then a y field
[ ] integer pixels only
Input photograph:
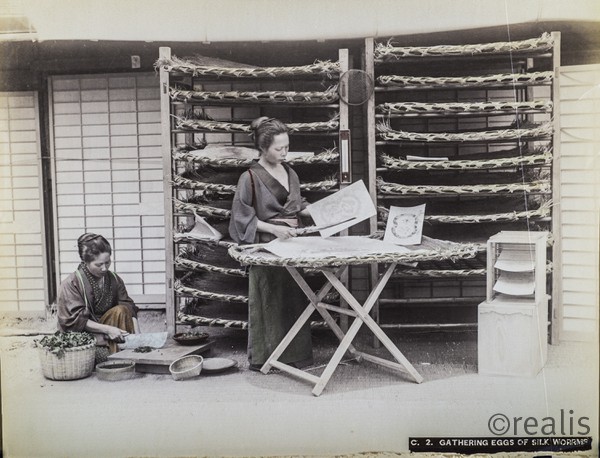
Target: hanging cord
[{"x": 514, "y": 86}]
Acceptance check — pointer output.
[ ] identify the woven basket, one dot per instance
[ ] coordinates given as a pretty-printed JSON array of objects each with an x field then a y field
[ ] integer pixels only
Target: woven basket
[
  {"x": 114, "y": 371},
  {"x": 186, "y": 367},
  {"x": 76, "y": 362}
]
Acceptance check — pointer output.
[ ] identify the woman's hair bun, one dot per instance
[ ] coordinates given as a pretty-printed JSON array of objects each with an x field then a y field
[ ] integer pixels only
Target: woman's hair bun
[
  {"x": 90, "y": 245},
  {"x": 255, "y": 124}
]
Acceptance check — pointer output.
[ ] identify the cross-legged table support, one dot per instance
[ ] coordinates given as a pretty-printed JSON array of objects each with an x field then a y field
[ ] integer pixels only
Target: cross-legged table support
[{"x": 361, "y": 316}]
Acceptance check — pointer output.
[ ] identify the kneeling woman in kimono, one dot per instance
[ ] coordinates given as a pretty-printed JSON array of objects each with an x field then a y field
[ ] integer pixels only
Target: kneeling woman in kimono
[
  {"x": 95, "y": 299},
  {"x": 266, "y": 206}
]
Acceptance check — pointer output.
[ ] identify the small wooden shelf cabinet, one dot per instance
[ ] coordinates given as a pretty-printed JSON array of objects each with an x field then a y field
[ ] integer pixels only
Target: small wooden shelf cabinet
[{"x": 513, "y": 320}]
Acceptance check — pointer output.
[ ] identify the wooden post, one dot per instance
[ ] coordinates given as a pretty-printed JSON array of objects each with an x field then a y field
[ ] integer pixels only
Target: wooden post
[
  {"x": 556, "y": 299},
  {"x": 344, "y": 59},
  {"x": 165, "y": 110},
  {"x": 369, "y": 66}
]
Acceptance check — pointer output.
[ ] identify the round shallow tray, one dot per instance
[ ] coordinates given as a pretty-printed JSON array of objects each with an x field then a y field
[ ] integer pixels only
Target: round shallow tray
[
  {"x": 114, "y": 371},
  {"x": 216, "y": 365},
  {"x": 188, "y": 338}
]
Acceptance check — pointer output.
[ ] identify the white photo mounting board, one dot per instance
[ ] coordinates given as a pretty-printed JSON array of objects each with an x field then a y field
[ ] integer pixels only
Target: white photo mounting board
[
  {"x": 405, "y": 225},
  {"x": 353, "y": 201}
]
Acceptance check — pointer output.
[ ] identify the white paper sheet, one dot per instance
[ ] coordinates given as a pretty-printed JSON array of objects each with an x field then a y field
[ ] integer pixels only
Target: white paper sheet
[
  {"x": 227, "y": 152},
  {"x": 425, "y": 158},
  {"x": 291, "y": 155},
  {"x": 341, "y": 247},
  {"x": 203, "y": 230},
  {"x": 515, "y": 283},
  {"x": 514, "y": 260},
  {"x": 353, "y": 201},
  {"x": 241, "y": 152},
  {"x": 405, "y": 225}
]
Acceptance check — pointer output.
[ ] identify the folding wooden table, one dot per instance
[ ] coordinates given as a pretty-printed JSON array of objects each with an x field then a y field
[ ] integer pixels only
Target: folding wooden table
[{"x": 333, "y": 268}]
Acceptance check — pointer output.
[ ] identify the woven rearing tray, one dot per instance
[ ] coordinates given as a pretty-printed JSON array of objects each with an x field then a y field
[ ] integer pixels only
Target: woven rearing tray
[{"x": 429, "y": 250}]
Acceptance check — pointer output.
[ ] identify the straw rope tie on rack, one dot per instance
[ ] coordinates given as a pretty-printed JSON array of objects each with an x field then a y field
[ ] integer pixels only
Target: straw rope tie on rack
[
  {"x": 418, "y": 108},
  {"x": 196, "y": 320},
  {"x": 227, "y": 189},
  {"x": 319, "y": 68},
  {"x": 183, "y": 237},
  {"x": 323, "y": 185},
  {"x": 228, "y": 127},
  {"x": 189, "y": 264},
  {"x": 183, "y": 318},
  {"x": 387, "y": 133},
  {"x": 541, "y": 212},
  {"x": 447, "y": 273},
  {"x": 314, "y": 97},
  {"x": 503, "y": 79},
  {"x": 199, "y": 157},
  {"x": 452, "y": 251},
  {"x": 389, "y": 52},
  {"x": 393, "y": 163},
  {"x": 418, "y": 190},
  {"x": 439, "y": 273},
  {"x": 202, "y": 210},
  {"x": 207, "y": 295}
]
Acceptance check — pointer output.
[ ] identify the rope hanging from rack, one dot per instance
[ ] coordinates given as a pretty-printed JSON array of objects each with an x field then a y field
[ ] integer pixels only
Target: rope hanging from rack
[
  {"x": 418, "y": 108},
  {"x": 201, "y": 157},
  {"x": 498, "y": 80},
  {"x": 389, "y": 52},
  {"x": 387, "y": 133},
  {"x": 392, "y": 163},
  {"x": 325, "y": 68},
  {"x": 541, "y": 212},
  {"x": 304, "y": 98},
  {"x": 386, "y": 188},
  {"x": 227, "y": 189},
  {"x": 228, "y": 127}
]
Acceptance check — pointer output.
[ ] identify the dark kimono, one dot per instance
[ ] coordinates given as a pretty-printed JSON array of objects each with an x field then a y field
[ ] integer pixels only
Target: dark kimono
[
  {"x": 75, "y": 296},
  {"x": 275, "y": 300}
]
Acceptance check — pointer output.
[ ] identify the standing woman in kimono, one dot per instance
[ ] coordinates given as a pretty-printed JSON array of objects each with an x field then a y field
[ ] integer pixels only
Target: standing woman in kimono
[
  {"x": 95, "y": 299},
  {"x": 266, "y": 206}
]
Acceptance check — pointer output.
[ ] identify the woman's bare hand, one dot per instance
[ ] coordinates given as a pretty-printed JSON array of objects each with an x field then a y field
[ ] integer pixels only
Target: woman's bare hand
[
  {"x": 283, "y": 232},
  {"x": 115, "y": 334}
]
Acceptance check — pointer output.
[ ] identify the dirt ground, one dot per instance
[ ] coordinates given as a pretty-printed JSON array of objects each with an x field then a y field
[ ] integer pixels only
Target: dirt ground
[{"x": 363, "y": 410}]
